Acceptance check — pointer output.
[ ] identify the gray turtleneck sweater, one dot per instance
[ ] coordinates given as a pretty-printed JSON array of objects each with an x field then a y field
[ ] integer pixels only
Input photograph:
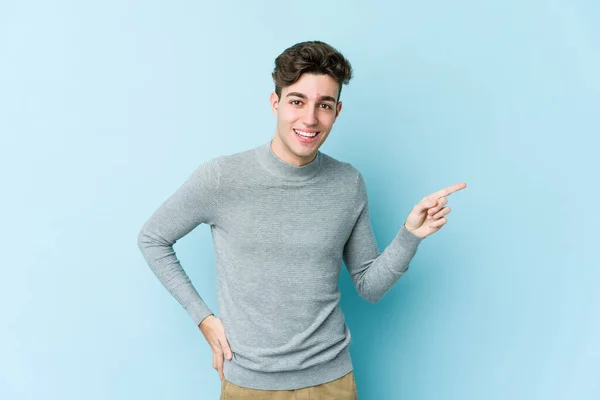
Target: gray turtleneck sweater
[{"x": 280, "y": 234}]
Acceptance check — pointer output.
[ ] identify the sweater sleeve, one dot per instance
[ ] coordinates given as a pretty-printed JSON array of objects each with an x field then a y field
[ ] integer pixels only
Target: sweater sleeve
[
  {"x": 195, "y": 202},
  {"x": 374, "y": 273}
]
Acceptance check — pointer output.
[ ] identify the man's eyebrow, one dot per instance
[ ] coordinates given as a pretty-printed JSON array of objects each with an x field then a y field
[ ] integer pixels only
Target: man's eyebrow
[{"x": 303, "y": 96}]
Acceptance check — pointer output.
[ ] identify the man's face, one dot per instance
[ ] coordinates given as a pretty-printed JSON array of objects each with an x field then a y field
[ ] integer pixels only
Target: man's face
[{"x": 305, "y": 107}]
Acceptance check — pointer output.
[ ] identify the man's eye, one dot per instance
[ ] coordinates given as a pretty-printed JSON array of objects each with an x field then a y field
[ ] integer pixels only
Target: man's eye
[
  {"x": 328, "y": 107},
  {"x": 295, "y": 101}
]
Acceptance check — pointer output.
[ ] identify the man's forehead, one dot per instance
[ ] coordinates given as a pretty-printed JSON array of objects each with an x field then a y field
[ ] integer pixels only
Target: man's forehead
[{"x": 313, "y": 86}]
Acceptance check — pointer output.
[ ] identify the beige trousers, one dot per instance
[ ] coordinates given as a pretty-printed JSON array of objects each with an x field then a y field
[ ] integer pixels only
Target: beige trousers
[{"x": 343, "y": 388}]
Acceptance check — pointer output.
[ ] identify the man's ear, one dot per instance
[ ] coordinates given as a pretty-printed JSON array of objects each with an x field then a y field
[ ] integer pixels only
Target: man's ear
[
  {"x": 274, "y": 100},
  {"x": 338, "y": 108}
]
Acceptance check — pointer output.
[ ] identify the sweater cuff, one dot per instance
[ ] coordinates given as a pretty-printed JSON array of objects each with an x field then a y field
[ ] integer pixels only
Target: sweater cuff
[
  {"x": 407, "y": 239},
  {"x": 198, "y": 311}
]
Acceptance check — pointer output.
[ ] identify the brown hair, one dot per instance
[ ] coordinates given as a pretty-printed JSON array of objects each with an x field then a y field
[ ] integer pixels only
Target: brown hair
[{"x": 312, "y": 57}]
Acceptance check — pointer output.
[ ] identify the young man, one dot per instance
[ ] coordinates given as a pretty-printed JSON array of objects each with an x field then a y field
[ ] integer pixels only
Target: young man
[{"x": 283, "y": 217}]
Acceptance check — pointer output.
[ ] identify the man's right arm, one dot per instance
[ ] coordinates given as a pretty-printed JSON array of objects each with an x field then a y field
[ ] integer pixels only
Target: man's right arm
[{"x": 195, "y": 202}]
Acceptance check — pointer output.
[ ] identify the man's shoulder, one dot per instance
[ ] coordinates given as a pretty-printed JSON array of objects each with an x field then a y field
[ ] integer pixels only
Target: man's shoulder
[
  {"x": 236, "y": 159},
  {"x": 339, "y": 168}
]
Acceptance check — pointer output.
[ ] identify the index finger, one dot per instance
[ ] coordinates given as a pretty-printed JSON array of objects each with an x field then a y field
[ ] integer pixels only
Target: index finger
[{"x": 449, "y": 190}]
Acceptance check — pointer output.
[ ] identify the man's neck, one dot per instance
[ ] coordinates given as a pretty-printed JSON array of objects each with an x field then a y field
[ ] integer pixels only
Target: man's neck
[{"x": 284, "y": 154}]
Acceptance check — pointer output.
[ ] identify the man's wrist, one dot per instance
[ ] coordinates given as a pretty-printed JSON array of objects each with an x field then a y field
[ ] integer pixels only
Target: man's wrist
[{"x": 204, "y": 319}]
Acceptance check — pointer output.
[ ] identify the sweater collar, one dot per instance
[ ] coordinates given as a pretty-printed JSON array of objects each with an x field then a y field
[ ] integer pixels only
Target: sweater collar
[{"x": 285, "y": 170}]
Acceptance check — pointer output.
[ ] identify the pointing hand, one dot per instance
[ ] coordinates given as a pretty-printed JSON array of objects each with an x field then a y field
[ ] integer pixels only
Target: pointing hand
[{"x": 428, "y": 216}]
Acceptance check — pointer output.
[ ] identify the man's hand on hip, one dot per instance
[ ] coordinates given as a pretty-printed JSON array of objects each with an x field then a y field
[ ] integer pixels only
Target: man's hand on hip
[{"x": 213, "y": 330}]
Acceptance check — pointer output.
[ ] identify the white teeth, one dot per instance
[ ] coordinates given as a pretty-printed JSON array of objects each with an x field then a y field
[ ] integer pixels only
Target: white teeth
[{"x": 306, "y": 134}]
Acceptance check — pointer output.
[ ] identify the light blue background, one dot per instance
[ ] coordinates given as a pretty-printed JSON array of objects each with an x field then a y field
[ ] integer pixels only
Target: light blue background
[{"x": 107, "y": 107}]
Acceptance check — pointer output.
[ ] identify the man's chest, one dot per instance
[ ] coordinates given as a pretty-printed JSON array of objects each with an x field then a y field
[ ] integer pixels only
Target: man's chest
[{"x": 297, "y": 222}]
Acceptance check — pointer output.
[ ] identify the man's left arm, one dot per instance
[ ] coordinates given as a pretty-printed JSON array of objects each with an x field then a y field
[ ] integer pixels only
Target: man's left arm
[{"x": 373, "y": 272}]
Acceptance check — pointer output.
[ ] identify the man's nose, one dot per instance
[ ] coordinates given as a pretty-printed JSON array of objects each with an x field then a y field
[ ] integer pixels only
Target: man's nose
[{"x": 310, "y": 116}]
